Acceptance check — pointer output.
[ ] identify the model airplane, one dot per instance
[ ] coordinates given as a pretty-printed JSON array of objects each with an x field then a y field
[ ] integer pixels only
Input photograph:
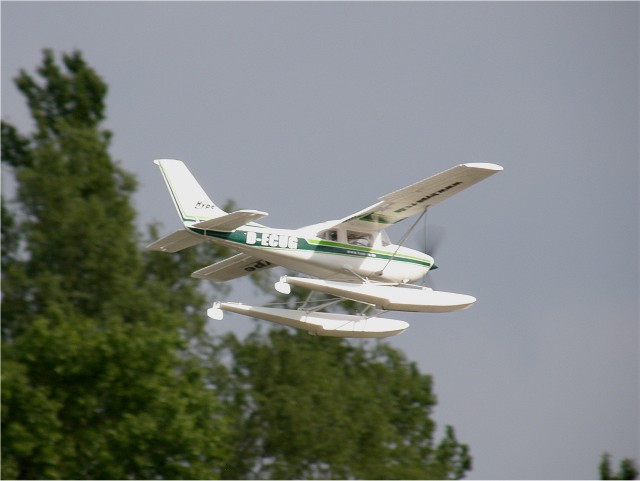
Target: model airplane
[{"x": 351, "y": 258}]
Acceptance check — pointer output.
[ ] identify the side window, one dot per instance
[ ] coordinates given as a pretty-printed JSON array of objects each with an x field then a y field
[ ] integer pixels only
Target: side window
[
  {"x": 384, "y": 238},
  {"x": 330, "y": 235},
  {"x": 359, "y": 239}
]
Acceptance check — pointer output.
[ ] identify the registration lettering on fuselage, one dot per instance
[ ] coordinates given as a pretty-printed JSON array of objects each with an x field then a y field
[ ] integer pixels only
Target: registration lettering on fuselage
[{"x": 266, "y": 239}]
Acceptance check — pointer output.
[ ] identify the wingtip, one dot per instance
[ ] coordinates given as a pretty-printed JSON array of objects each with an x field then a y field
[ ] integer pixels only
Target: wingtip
[{"x": 485, "y": 166}]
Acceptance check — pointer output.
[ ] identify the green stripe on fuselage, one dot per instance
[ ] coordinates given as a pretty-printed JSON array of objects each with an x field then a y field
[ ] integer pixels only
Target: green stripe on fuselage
[
  {"x": 316, "y": 245},
  {"x": 360, "y": 251}
]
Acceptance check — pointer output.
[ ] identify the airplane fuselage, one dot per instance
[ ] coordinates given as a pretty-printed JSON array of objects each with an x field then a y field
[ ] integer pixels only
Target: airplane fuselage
[{"x": 309, "y": 254}]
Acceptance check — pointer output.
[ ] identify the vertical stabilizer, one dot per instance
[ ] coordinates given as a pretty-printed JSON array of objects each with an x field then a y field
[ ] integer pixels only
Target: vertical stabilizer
[{"x": 191, "y": 201}]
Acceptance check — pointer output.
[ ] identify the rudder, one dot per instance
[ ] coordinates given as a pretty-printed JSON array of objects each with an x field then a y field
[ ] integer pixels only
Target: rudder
[{"x": 190, "y": 199}]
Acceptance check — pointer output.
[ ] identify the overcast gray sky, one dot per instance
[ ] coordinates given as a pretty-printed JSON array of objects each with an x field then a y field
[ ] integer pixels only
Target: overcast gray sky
[{"x": 311, "y": 111}]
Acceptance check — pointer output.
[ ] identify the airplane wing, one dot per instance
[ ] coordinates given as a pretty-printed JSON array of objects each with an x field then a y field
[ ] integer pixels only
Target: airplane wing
[
  {"x": 232, "y": 268},
  {"x": 415, "y": 198}
]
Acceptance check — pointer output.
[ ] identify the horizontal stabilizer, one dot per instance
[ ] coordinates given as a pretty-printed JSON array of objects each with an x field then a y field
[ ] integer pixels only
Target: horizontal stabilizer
[
  {"x": 175, "y": 242},
  {"x": 318, "y": 323},
  {"x": 389, "y": 297},
  {"x": 232, "y": 268},
  {"x": 230, "y": 222}
]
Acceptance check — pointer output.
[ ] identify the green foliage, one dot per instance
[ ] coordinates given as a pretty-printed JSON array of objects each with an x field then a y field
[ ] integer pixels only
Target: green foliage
[
  {"x": 98, "y": 378},
  {"x": 312, "y": 407},
  {"x": 75, "y": 210},
  {"x": 628, "y": 468},
  {"x": 105, "y": 402},
  {"x": 74, "y": 98}
]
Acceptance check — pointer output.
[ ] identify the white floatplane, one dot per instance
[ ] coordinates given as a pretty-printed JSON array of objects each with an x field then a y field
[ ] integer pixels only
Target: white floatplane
[{"x": 351, "y": 258}]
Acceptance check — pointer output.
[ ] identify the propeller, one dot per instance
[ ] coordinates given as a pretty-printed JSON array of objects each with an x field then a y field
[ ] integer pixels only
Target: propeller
[
  {"x": 432, "y": 239},
  {"x": 430, "y": 242}
]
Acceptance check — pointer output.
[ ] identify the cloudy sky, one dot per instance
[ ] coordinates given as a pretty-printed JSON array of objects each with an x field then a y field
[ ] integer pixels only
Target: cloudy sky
[{"x": 311, "y": 111}]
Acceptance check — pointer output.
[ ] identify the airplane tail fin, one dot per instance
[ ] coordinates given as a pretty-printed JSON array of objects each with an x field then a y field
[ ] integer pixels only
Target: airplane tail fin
[{"x": 191, "y": 201}]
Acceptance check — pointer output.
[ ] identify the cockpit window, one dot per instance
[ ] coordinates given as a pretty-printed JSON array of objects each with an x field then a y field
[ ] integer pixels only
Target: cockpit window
[
  {"x": 330, "y": 235},
  {"x": 384, "y": 238},
  {"x": 359, "y": 239}
]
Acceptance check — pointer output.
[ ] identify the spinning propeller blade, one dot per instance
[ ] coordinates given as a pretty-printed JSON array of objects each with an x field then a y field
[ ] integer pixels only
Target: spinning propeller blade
[{"x": 430, "y": 242}]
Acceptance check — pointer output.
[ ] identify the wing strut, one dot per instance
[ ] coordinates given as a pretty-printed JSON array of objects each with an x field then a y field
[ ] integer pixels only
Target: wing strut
[{"x": 402, "y": 241}]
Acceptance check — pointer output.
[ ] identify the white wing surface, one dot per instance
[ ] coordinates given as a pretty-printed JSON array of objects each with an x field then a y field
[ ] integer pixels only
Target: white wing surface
[
  {"x": 415, "y": 198},
  {"x": 235, "y": 266}
]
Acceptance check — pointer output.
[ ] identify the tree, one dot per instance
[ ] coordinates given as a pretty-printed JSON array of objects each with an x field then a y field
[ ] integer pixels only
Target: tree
[
  {"x": 628, "y": 468},
  {"x": 313, "y": 407},
  {"x": 98, "y": 375}
]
